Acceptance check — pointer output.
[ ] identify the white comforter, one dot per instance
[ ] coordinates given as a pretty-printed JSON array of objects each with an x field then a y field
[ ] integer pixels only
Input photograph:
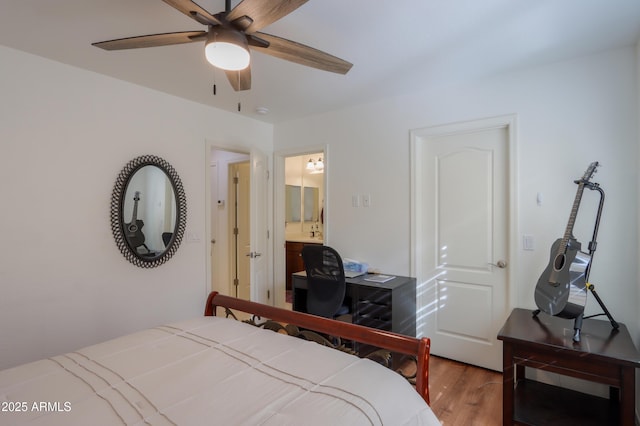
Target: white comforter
[{"x": 212, "y": 371}]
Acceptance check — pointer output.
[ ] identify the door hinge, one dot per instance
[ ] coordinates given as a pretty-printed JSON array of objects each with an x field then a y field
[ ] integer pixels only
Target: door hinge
[
  {"x": 268, "y": 294},
  {"x": 236, "y": 282},
  {"x": 236, "y": 179},
  {"x": 235, "y": 231}
]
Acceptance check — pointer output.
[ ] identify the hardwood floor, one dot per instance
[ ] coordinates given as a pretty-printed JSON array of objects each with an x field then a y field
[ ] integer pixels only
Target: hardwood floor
[{"x": 466, "y": 395}]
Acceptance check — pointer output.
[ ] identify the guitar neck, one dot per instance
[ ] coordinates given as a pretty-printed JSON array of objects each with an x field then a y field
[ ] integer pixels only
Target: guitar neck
[
  {"x": 568, "y": 233},
  {"x": 134, "y": 215}
]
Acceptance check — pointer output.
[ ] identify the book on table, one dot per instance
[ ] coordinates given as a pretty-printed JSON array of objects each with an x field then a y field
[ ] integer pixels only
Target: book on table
[{"x": 379, "y": 278}]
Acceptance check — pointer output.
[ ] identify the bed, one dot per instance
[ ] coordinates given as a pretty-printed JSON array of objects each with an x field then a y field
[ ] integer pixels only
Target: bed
[{"x": 216, "y": 369}]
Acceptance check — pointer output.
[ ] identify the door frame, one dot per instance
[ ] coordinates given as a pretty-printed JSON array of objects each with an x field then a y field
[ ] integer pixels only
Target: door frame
[
  {"x": 210, "y": 145},
  {"x": 417, "y": 137},
  {"x": 279, "y": 255}
]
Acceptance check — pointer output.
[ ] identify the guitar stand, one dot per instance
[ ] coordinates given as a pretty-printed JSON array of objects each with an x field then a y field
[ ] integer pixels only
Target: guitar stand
[
  {"x": 577, "y": 325},
  {"x": 578, "y": 321}
]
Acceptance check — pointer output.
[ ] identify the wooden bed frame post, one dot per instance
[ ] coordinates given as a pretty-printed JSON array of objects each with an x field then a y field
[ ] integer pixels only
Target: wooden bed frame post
[{"x": 398, "y": 343}]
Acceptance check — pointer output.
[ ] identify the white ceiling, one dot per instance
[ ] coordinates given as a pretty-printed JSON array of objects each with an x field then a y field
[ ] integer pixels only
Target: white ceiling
[{"x": 395, "y": 46}]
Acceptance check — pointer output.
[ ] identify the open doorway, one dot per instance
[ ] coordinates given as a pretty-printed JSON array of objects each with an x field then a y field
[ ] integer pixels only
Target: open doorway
[
  {"x": 230, "y": 225},
  {"x": 304, "y": 196},
  {"x": 300, "y": 213},
  {"x": 251, "y": 256}
]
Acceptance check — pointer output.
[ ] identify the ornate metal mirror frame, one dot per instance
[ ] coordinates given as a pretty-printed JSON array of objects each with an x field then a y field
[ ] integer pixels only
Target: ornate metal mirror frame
[{"x": 129, "y": 236}]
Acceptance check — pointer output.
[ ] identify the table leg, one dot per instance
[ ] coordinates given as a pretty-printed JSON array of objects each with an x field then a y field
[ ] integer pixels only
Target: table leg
[
  {"x": 519, "y": 373},
  {"x": 627, "y": 396},
  {"x": 507, "y": 384}
]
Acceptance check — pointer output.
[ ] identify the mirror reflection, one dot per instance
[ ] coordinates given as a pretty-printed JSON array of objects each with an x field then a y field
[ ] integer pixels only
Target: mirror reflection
[
  {"x": 311, "y": 204},
  {"x": 149, "y": 211},
  {"x": 293, "y": 203}
]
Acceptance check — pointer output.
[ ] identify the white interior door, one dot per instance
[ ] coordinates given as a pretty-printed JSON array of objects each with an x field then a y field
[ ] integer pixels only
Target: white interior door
[
  {"x": 241, "y": 230},
  {"x": 259, "y": 263},
  {"x": 461, "y": 250}
]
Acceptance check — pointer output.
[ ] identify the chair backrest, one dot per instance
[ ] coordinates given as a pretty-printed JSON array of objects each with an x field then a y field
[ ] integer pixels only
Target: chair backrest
[{"x": 326, "y": 285}]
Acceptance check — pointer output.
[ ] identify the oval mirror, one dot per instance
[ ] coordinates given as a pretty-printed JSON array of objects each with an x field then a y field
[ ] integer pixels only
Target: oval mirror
[{"x": 148, "y": 211}]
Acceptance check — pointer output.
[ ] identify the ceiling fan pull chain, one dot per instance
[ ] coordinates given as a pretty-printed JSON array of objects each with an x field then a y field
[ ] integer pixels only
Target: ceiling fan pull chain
[
  {"x": 239, "y": 105},
  {"x": 214, "y": 82}
]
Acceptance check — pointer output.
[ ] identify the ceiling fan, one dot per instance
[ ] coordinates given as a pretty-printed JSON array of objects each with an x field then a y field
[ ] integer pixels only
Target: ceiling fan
[{"x": 232, "y": 33}]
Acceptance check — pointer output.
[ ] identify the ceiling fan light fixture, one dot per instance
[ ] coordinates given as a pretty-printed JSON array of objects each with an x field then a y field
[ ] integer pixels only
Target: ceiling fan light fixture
[{"x": 227, "y": 49}]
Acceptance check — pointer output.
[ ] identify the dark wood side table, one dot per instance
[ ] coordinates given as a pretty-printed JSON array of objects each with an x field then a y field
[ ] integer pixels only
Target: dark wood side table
[{"x": 603, "y": 355}]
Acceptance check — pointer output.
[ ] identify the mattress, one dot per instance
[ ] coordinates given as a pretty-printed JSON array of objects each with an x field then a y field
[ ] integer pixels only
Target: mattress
[{"x": 208, "y": 370}]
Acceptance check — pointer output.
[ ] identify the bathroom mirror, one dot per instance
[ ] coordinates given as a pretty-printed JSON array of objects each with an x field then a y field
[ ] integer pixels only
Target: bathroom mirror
[
  {"x": 148, "y": 211},
  {"x": 311, "y": 204},
  {"x": 293, "y": 202},
  {"x": 302, "y": 204}
]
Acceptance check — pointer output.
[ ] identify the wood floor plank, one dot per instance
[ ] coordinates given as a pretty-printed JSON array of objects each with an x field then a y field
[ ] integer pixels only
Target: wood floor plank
[{"x": 462, "y": 394}]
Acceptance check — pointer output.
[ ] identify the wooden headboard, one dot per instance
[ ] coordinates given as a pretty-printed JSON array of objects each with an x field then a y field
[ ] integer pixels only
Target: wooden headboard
[{"x": 395, "y": 343}]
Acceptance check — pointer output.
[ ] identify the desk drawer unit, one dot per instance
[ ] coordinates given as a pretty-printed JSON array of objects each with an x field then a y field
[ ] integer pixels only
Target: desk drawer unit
[
  {"x": 389, "y": 306},
  {"x": 373, "y": 309}
]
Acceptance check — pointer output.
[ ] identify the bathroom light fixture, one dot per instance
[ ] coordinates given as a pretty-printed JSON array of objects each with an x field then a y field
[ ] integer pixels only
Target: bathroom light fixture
[
  {"x": 227, "y": 49},
  {"x": 315, "y": 166}
]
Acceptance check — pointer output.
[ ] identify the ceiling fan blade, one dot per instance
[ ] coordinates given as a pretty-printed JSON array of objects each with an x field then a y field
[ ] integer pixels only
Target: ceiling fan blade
[
  {"x": 301, "y": 54},
  {"x": 152, "y": 40},
  {"x": 263, "y": 12},
  {"x": 240, "y": 80},
  {"x": 187, "y": 7}
]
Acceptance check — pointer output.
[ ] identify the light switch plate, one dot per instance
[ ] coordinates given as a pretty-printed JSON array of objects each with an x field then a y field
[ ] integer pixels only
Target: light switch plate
[{"x": 528, "y": 242}]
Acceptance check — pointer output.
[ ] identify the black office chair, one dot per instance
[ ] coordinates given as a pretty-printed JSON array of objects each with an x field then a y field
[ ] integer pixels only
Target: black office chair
[{"x": 326, "y": 286}]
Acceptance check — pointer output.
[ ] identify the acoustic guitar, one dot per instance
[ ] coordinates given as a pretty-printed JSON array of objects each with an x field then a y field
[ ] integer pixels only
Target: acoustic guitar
[
  {"x": 133, "y": 230},
  {"x": 561, "y": 289}
]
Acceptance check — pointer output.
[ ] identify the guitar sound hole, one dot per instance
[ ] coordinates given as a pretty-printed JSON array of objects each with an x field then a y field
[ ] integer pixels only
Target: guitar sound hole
[{"x": 558, "y": 264}]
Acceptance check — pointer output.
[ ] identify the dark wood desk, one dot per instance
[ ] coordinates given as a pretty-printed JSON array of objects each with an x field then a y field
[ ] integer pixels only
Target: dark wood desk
[
  {"x": 387, "y": 306},
  {"x": 545, "y": 342}
]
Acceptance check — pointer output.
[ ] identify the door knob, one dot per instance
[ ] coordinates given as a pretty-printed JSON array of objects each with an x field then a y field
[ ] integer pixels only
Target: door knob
[
  {"x": 501, "y": 264},
  {"x": 254, "y": 254}
]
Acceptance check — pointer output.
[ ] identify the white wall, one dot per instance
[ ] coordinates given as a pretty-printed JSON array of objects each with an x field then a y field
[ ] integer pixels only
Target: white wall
[
  {"x": 569, "y": 114},
  {"x": 65, "y": 134}
]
